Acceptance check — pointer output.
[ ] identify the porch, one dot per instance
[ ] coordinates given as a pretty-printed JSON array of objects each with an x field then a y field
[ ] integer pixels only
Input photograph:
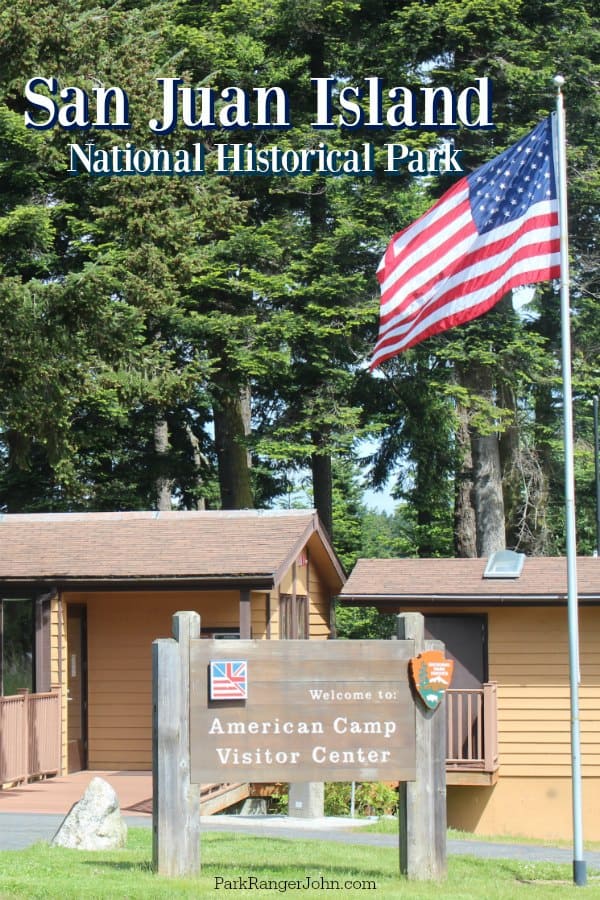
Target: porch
[
  {"x": 30, "y": 740},
  {"x": 472, "y": 735},
  {"x": 30, "y": 729},
  {"x": 134, "y": 790}
]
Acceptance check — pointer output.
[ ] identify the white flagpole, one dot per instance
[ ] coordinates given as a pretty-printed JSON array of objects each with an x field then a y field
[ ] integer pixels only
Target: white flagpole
[{"x": 579, "y": 866}]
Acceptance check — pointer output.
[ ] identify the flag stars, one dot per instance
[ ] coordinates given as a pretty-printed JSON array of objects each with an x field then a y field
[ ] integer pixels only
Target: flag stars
[{"x": 505, "y": 188}]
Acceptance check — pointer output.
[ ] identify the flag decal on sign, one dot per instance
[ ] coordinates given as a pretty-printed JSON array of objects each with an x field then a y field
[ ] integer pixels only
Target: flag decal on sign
[
  {"x": 494, "y": 230},
  {"x": 229, "y": 679}
]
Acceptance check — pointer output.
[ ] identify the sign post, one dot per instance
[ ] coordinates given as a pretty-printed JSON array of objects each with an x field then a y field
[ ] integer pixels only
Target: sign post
[
  {"x": 422, "y": 802},
  {"x": 175, "y": 798}
]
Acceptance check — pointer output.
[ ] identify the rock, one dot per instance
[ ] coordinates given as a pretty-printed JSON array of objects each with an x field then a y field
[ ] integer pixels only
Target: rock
[{"x": 94, "y": 822}]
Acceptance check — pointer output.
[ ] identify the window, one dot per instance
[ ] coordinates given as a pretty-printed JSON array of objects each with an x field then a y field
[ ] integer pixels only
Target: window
[
  {"x": 504, "y": 564},
  {"x": 293, "y": 616},
  {"x": 16, "y": 645},
  {"x": 222, "y": 634}
]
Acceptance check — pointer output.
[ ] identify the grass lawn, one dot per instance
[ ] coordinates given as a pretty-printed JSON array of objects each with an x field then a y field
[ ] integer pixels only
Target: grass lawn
[{"x": 331, "y": 869}]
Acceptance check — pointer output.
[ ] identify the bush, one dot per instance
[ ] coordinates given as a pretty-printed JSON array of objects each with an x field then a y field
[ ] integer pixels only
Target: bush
[
  {"x": 337, "y": 798},
  {"x": 371, "y": 799},
  {"x": 278, "y": 801}
]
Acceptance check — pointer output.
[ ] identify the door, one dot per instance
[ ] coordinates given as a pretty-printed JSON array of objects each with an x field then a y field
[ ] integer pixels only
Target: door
[
  {"x": 465, "y": 638},
  {"x": 77, "y": 687}
]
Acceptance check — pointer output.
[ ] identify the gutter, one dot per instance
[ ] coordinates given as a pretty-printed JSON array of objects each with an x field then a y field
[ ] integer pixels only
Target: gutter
[
  {"x": 467, "y": 600},
  {"x": 184, "y": 583}
]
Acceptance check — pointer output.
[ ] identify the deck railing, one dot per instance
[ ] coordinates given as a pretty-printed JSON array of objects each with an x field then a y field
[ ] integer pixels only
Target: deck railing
[
  {"x": 472, "y": 729},
  {"x": 29, "y": 736},
  {"x": 30, "y": 733}
]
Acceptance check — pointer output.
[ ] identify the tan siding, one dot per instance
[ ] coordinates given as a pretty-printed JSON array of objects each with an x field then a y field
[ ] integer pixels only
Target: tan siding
[
  {"x": 286, "y": 583},
  {"x": 535, "y": 807},
  {"x": 308, "y": 581},
  {"x": 58, "y": 649},
  {"x": 319, "y": 604},
  {"x": 121, "y": 628},
  {"x": 259, "y": 616},
  {"x": 58, "y": 667},
  {"x": 529, "y": 658},
  {"x": 275, "y": 615}
]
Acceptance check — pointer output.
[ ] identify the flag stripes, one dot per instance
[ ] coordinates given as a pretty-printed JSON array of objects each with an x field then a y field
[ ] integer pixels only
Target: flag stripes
[{"x": 494, "y": 230}]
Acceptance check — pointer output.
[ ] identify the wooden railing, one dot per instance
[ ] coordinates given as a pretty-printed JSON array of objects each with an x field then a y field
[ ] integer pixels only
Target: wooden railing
[
  {"x": 472, "y": 729},
  {"x": 29, "y": 736}
]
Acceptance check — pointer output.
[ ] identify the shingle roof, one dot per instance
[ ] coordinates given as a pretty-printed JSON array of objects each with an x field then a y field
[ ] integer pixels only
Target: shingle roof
[
  {"x": 150, "y": 545},
  {"x": 455, "y": 579}
]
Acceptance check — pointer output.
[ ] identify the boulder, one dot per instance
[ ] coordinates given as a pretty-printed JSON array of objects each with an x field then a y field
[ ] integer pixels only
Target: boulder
[{"x": 94, "y": 822}]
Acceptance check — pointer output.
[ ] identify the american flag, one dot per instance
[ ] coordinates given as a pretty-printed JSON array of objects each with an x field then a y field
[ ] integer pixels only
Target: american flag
[
  {"x": 494, "y": 230},
  {"x": 229, "y": 679}
]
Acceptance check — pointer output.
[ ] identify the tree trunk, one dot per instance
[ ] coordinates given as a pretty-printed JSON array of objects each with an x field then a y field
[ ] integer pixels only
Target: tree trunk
[
  {"x": 487, "y": 494},
  {"x": 199, "y": 461},
  {"x": 163, "y": 483},
  {"x": 526, "y": 490},
  {"x": 231, "y": 411},
  {"x": 511, "y": 467},
  {"x": 322, "y": 486},
  {"x": 465, "y": 528}
]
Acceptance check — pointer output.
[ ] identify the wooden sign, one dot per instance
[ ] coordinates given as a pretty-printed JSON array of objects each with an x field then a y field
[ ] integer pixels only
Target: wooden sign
[
  {"x": 294, "y": 711},
  {"x": 431, "y": 675},
  {"x": 311, "y": 711}
]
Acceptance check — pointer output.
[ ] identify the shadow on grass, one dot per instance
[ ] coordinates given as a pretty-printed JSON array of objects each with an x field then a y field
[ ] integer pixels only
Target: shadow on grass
[
  {"x": 116, "y": 865},
  {"x": 217, "y": 856},
  {"x": 266, "y": 870},
  {"x": 246, "y": 856}
]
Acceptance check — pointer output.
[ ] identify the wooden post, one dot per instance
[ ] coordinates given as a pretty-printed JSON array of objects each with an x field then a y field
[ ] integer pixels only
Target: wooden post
[
  {"x": 422, "y": 803},
  {"x": 245, "y": 615},
  {"x": 175, "y": 800},
  {"x": 42, "y": 643},
  {"x": 24, "y": 693},
  {"x": 490, "y": 728},
  {"x": 56, "y": 688}
]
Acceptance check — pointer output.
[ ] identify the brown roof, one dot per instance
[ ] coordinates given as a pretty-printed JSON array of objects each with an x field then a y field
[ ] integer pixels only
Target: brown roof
[
  {"x": 258, "y": 546},
  {"x": 437, "y": 580}
]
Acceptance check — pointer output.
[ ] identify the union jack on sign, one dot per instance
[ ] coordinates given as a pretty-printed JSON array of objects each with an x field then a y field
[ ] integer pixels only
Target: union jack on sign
[{"x": 229, "y": 679}]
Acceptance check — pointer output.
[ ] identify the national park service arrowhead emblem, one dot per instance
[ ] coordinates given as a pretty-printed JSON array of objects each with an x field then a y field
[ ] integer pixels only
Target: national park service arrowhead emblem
[{"x": 431, "y": 675}]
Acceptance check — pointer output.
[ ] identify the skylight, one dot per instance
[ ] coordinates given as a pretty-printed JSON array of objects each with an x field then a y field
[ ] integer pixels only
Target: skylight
[{"x": 504, "y": 564}]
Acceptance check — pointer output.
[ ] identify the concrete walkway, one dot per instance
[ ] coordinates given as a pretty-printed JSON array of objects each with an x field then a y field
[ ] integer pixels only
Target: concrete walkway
[
  {"x": 33, "y": 813},
  {"x": 20, "y": 830}
]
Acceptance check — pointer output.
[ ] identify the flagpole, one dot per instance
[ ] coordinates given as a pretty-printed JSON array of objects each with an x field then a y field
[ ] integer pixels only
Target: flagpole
[{"x": 579, "y": 865}]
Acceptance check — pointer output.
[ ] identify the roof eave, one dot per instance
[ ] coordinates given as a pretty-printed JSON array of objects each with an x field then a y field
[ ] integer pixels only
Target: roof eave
[
  {"x": 313, "y": 527},
  {"x": 258, "y": 582},
  {"x": 463, "y": 600}
]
